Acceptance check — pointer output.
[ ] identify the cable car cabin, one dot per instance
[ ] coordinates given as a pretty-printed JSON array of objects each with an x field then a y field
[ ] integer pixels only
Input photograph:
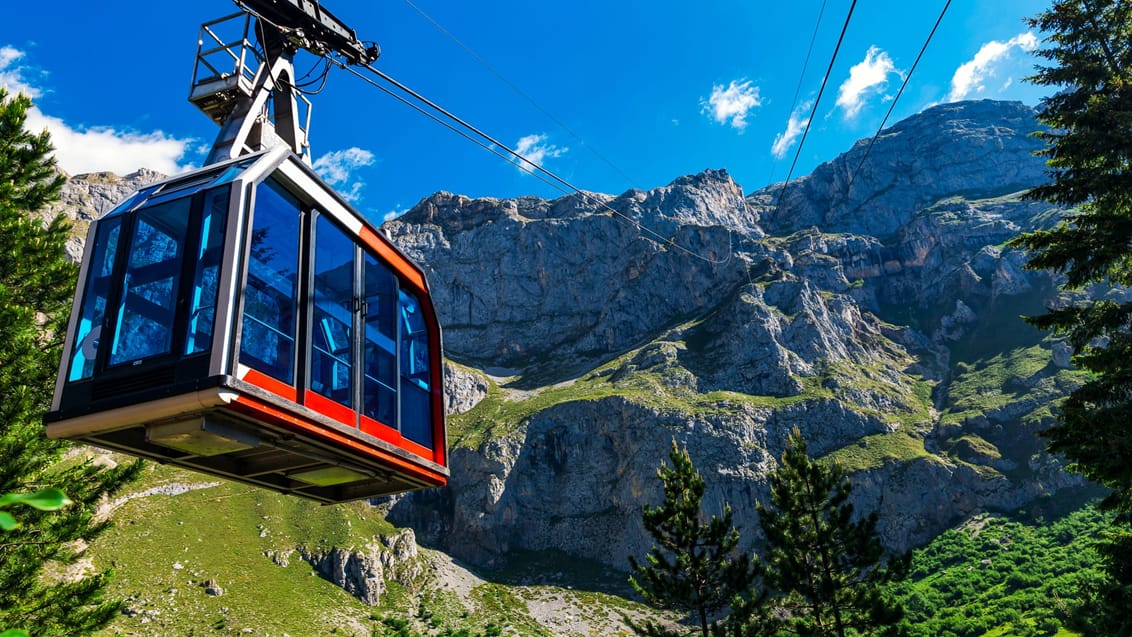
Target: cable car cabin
[{"x": 245, "y": 322}]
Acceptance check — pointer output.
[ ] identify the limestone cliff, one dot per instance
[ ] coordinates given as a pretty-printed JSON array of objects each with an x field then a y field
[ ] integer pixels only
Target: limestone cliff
[{"x": 882, "y": 319}]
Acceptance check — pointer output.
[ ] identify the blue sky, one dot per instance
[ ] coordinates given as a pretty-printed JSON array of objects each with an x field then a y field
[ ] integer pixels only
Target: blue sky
[{"x": 610, "y": 94}]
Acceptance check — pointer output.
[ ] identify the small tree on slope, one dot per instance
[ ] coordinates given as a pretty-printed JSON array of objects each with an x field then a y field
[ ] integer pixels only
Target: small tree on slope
[
  {"x": 828, "y": 568},
  {"x": 695, "y": 567},
  {"x": 1089, "y": 154},
  {"x": 36, "y": 285}
]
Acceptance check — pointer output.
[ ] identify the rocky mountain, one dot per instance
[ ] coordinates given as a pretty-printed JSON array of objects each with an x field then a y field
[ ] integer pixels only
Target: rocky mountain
[
  {"x": 872, "y": 304},
  {"x": 876, "y": 308},
  {"x": 88, "y": 197}
]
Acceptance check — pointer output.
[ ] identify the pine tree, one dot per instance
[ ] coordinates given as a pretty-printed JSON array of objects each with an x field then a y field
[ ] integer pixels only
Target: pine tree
[
  {"x": 696, "y": 566},
  {"x": 828, "y": 568},
  {"x": 36, "y": 286},
  {"x": 1089, "y": 156}
]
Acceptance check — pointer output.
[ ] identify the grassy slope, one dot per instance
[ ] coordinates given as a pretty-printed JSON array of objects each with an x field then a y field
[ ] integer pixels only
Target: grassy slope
[
  {"x": 664, "y": 388},
  {"x": 1002, "y": 575},
  {"x": 166, "y": 548}
]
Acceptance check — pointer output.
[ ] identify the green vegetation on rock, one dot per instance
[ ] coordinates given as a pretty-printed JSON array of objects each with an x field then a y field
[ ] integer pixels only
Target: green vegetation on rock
[{"x": 1003, "y": 575}]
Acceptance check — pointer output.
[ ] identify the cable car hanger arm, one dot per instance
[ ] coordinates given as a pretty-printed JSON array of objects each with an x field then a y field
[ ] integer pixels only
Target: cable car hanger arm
[{"x": 238, "y": 100}]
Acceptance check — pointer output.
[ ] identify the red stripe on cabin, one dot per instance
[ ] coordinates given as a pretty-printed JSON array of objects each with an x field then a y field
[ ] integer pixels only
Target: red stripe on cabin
[
  {"x": 330, "y": 408},
  {"x": 277, "y": 387},
  {"x": 393, "y": 258},
  {"x": 377, "y": 429},
  {"x": 263, "y": 411},
  {"x": 420, "y": 450},
  {"x": 438, "y": 434},
  {"x": 436, "y": 377}
]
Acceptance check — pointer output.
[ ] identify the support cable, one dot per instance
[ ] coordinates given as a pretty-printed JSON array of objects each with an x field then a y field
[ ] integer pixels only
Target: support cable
[
  {"x": 805, "y": 67},
  {"x": 471, "y": 133},
  {"x": 892, "y": 105},
  {"x": 439, "y": 120},
  {"x": 813, "y": 111},
  {"x": 519, "y": 91}
]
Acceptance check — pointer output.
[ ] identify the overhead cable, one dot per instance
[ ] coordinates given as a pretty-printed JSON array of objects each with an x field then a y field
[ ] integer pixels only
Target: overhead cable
[
  {"x": 805, "y": 67},
  {"x": 514, "y": 87},
  {"x": 470, "y": 132},
  {"x": 466, "y": 130},
  {"x": 813, "y": 111},
  {"x": 892, "y": 105},
  {"x": 455, "y": 129}
]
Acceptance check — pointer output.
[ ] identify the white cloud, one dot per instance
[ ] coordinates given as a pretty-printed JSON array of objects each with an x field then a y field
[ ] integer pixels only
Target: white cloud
[
  {"x": 338, "y": 169},
  {"x": 393, "y": 214},
  {"x": 970, "y": 75},
  {"x": 535, "y": 149},
  {"x": 91, "y": 149},
  {"x": 785, "y": 140},
  {"x": 730, "y": 106},
  {"x": 11, "y": 76},
  {"x": 869, "y": 76}
]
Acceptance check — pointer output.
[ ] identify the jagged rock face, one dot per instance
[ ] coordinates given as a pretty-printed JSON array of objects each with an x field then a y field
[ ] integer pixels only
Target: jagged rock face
[
  {"x": 462, "y": 389},
  {"x": 363, "y": 572},
  {"x": 574, "y": 478},
  {"x": 522, "y": 282},
  {"x": 975, "y": 149},
  {"x": 569, "y": 480},
  {"x": 88, "y": 197},
  {"x": 849, "y": 318}
]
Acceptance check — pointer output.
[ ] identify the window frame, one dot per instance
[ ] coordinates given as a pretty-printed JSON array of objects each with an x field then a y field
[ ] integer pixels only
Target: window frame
[
  {"x": 124, "y": 222},
  {"x": 344, "y": 221}
]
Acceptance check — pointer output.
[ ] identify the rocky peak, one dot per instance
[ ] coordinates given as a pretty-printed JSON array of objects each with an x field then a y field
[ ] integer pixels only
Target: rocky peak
[
  {"x": 708, "y": 198},
  {"x": 979, "y": 150},
  {"x": 534, "y": 283},
  {"x": 88, "y": 196}
]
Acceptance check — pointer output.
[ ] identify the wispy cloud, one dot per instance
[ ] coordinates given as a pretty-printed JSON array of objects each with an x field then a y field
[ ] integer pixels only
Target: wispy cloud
[
  {"x": 794, "y": 127},
  {"x": 867, "y": 77},
  {"x": 11, "y": 74},
  {"x": 731, "y": 105},
  {"x": 81, "y": 149},
  {"x": 536, "y": 150},
  {"x": 393, "y": 214},
  {"x": 339, "y": 168},
  {"x": 969, "y": 77}
]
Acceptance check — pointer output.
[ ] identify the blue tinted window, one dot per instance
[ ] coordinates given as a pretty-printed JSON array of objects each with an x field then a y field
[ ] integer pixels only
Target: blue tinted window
[
  {"x": 332, "y": 328},
  {"x": 148, "y": 295},
  {"x": 132, "y": 202},
  {"x": 416, "y": 412},
  {"x": 89, "y": 328},
  {"x": 267, "y": 341},
  {"x": 379, "y": 391},
  {"x": 203, "y": 295},
  {"x": 184, "y": 187},
  {"x": 233, "y": 171}
]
